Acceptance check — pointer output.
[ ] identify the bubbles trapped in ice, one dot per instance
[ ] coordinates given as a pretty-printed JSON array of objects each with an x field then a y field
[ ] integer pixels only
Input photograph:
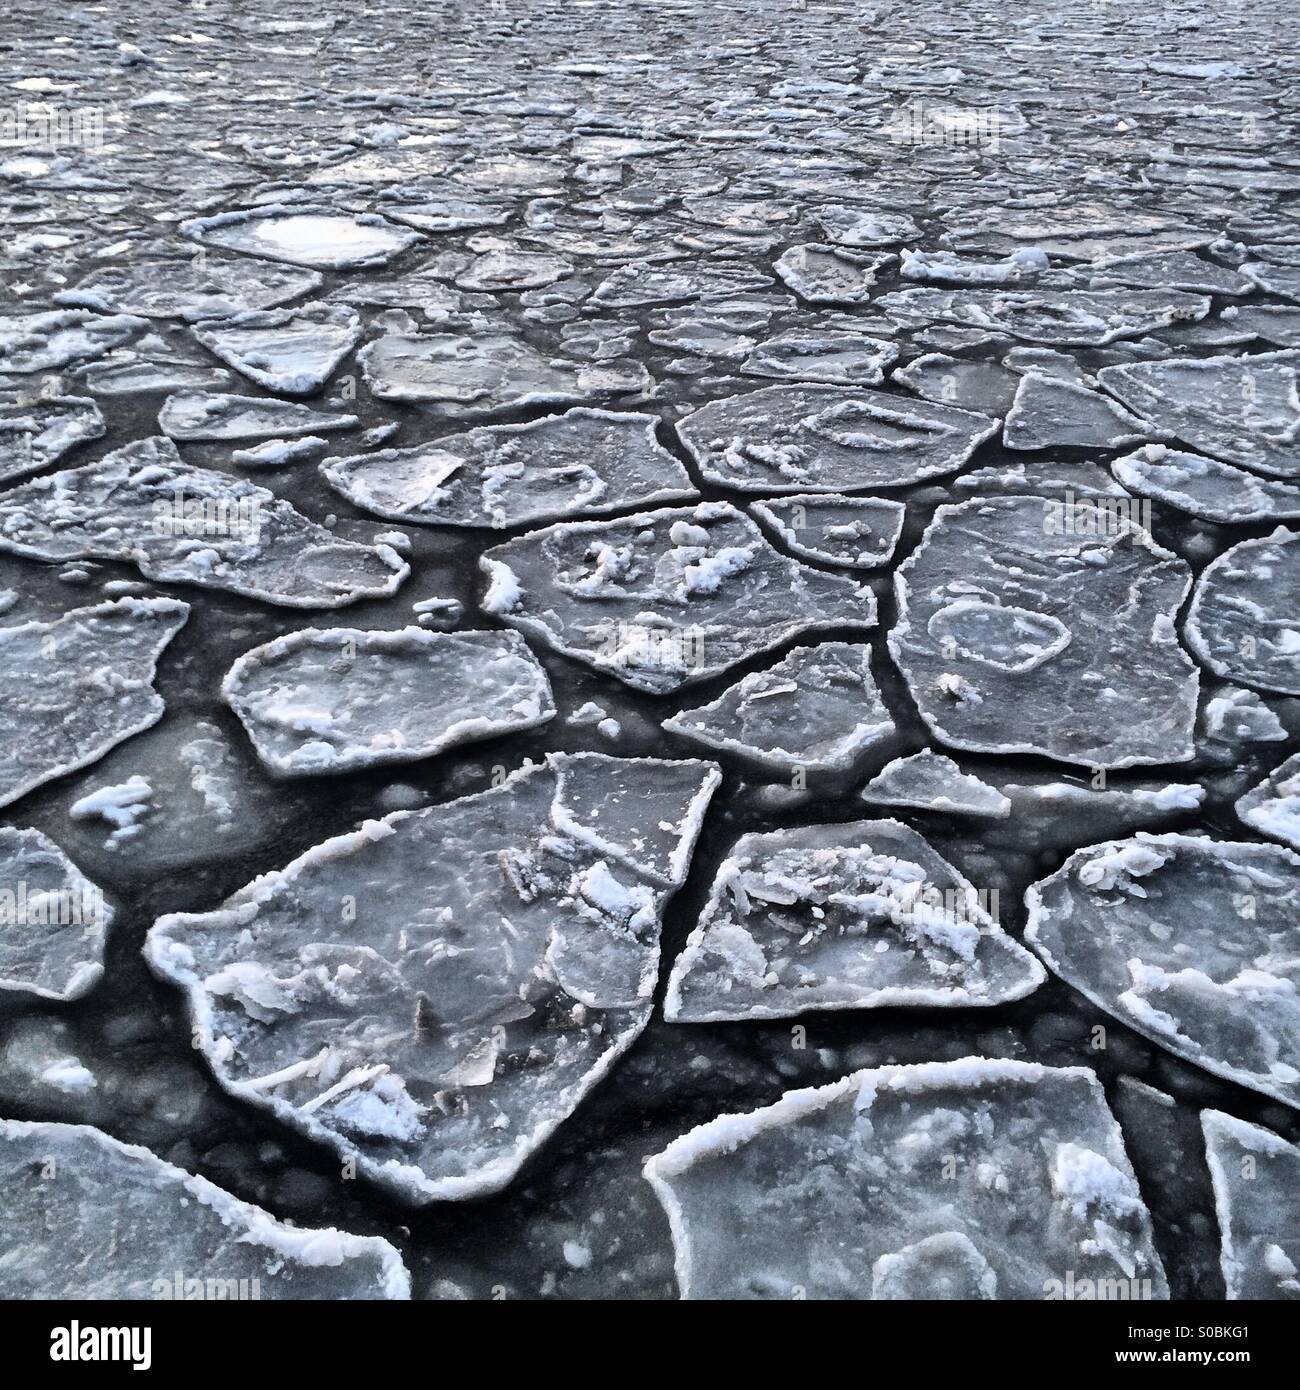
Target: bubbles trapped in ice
[
  {"x": 580, "y": 463},
  {"x": 971, "y": 1179},
  {"x": 433, "y": 994},
  {"x": 95, "y": 1218},
  {"x": 1018, "y": 619},
  {"x": 330, "y": 700},
  {"x": 855, "y": 916},
  {"x": 1191, "y": 941},
  {"x": 665, "y": 598},
  {"x": 143, "y": 505},
  {"x": 53, "y": 919},
  {"x": 814, "y": 713}
]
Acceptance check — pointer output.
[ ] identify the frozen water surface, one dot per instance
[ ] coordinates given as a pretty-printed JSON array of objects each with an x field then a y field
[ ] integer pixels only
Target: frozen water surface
[{"x": 842, "y": 1191}]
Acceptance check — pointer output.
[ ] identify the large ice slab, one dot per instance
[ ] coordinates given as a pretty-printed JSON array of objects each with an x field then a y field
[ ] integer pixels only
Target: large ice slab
[
  {"x": 581, "y": 463},
  {"x": 1256, "y": 1176},
  {"x": 664, "y": 598},
  {"x": 105, "y": 657},
  {"x": 433, "y": 994},
  {"x": 817, "y": 710},
  {"x": 1018, "y": 622},
  {"x": 53, "y": 919},
  {"x": 828, "y": 439},
  {"x": 1193, "y": 942},
  {"x": 856, "y": 916},
  {"x": 330, "y": 700},
  {"x": 179, "y": 524},
  {"x": 88, "y": 1217},
  {"x": 1244, "y": 621},
  {"x": 971, "y": 1179},
  {"x": 1244, "y": 410}
]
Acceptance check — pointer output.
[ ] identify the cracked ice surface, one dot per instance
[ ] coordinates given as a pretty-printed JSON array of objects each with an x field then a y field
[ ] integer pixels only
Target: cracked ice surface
[
  {"x": 1189, "y": 940},
  {"x": 96, "y": 1218},
  {"x": 863, "y": 915},
  {"x": 145, "y": 506},
  {"x": 664, "y": 598},
  {"x": 433, "y": 994},
  {"x": 1003, "y": 608},
  {"x": 842, "y": 1191},
  {"x": 334, "y": 699}
]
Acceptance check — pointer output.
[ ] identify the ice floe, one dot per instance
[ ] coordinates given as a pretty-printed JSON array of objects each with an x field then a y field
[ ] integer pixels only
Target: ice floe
[
  {"x": 1204, "y": 487},
  {"x": 928, "y": 781},
  {"x": 856, "y": 532},
  {"x": 1273, "y": 807},
  {"x": 294, "y": 351},
  {"x": 316, "y": 237}
]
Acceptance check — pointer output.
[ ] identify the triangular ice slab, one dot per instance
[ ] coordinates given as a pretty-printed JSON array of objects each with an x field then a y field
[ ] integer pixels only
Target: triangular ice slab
[{"x": 929, "y": 781}]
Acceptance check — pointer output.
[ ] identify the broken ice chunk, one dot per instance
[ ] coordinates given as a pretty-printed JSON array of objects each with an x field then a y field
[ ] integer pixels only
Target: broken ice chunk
[
  {"x": 853, "y": 226},
  {"x": 47, "y": 341},
  {"x": 664, "y": 598},
  {"x": 931, "y": 782},
  {"x": 830, "y": 274},
  {"x": 179, "y": 524},
  {"x": 828, "y": 439},
  {"x": 318, "y": 701},
  {"x": 979, "y": 386},
  {"x": 433, "y": 994},
  {"x": 1237, "y": 714},
  {"x": 1245, "y": 410},
  {"x": 581, "y": 463},
  {"x": 191, "y": 287},
  {"x": 1204, "y": 487},
  {"x": 36, "y": 432},
  {"x": 53, "y": 920},
  {"x": 318, "y": 238},
  {"x": 1273, "y": 807},
  {"x": 1050, "y": 413},
  {"x": 828, "y": 355},
  {"x": 857, "y": 532},
  {"x": 294, "y": 351},
  {"x": 857, "y": 916},
  {"x": 202, "y": 415},
  {"x": 1244, "y": 621},
  {"x": 817, "y": 710},
  {"x": 1019, "y": 617},
  {"x": 951, "y": 1177},
  {"x": 1191, "y": 941},
  {"x": 1256, "y": 1176},
  {"x": 105, "y": 657},
  {"x": 88, "y": 1217}
]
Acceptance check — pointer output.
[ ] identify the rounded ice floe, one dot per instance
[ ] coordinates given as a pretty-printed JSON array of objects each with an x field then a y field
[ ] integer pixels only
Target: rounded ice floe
[
  {"x": 828, "y": 355},
  {"x": 1019, "y": 621},
  {"x": 318, "y": 238},
  {"x": 102, "y": 660},
  {"x": 1245, "y": 410},
  {"x": 36, "y": 431},
  {"x": 107, "y": 1220},
  {"x": 665, "y": 598},
  {"x": 1061, "y": 318},
  {"x": 1191, "y": 941},
  {"x": 294, "y": 351},
  {"x": 828, "y": 439},
  {"x": 1204, "y": 487},
  {"x": 817, "y": 710},
  {"x": 947, "y": 1180},
  {"x": 1256, "y": 1176},
  {"x": 1273, "y": 807},
  {"x": 191, "y": 286},
  {"x": 856, "y": 532},
  {"x": 857, "y": 916},
  {"x": 143, "y": 505},
  {"x": 1244, "y": 620},
  {"x": 331, "y": 700},
  {"x": 433, "y": 994},
  {"x": 486, "y": 372},
  {"x": 581, "y": 463},
  {"x": 53, "y": 920}
]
